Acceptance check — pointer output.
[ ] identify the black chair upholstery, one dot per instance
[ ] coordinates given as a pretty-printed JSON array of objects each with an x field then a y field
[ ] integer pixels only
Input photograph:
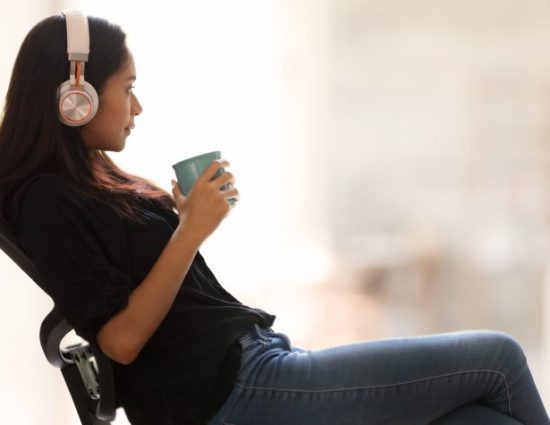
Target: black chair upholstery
[{"x": 87, "y": 371}]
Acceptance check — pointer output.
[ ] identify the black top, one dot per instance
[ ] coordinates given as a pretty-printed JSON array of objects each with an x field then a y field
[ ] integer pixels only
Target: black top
[{"x": 91, "y": 259}]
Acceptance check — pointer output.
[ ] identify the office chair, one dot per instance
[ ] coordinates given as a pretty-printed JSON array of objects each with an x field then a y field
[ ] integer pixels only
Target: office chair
[{"x": 87, "y": 371}]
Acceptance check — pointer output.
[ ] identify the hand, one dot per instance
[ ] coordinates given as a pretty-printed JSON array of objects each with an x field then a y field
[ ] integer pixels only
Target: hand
[{"x": 203, "y": 209}]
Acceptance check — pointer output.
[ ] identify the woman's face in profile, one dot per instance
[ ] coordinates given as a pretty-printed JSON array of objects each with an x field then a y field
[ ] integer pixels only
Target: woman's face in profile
[{"x": 118, "y": 106}]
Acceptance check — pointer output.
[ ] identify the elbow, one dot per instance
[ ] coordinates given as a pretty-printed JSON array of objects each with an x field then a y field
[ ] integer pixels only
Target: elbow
[
  {"x": 118, "y": 350},
  {"x": 123, "y": 356}
]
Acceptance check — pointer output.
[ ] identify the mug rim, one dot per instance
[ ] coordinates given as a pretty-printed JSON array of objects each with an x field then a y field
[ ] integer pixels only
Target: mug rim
[{"x": 193, "y": 158}]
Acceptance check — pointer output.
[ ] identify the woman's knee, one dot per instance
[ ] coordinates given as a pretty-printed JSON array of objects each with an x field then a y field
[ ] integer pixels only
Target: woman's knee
[{"x": 501, "y": 346}]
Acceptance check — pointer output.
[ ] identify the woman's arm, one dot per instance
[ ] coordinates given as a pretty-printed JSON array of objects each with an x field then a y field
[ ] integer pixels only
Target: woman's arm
[{"x": 123, "y": 337}]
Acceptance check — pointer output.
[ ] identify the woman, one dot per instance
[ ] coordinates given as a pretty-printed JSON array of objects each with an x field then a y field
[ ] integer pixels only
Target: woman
[{"x": 120, "y": 258}]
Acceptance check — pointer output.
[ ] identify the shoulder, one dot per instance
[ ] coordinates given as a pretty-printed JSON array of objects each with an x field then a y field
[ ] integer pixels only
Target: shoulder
[
  {"x": 47, "y": 186},
  {"x": 49, "y": 194}
]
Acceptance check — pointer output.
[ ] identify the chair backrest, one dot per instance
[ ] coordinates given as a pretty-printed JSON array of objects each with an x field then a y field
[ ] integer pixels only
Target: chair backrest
[{"x": 87, "y": 371}]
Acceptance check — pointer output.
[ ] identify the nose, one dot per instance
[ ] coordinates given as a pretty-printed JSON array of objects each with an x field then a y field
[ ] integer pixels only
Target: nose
[{"x": 136, "y": 106}]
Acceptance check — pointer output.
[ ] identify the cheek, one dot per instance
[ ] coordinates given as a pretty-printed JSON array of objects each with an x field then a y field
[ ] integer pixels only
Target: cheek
[
  {"x": 119, "y": 113},
  {"x": 90, "y": 131},
  {"x": 99, "y": 128}
]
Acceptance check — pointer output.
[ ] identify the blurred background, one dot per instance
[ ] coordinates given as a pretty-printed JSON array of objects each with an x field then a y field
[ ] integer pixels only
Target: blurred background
[{"x": 393, "y": 159}]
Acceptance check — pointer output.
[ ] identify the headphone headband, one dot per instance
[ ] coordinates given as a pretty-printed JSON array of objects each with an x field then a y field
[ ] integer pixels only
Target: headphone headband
[{"x": 78, "y": 36}]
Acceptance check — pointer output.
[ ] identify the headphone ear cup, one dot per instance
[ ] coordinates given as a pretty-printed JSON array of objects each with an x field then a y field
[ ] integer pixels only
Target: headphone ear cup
[{"x": 77, "y": 106}]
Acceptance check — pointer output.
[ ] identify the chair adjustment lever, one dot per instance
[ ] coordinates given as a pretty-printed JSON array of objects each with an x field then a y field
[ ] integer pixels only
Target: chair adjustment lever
[{"x": 82, "y": 356}]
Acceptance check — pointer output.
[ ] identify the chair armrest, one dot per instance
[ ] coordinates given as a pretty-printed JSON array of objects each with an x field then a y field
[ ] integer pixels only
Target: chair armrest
[{"x": 54, "y": 327}]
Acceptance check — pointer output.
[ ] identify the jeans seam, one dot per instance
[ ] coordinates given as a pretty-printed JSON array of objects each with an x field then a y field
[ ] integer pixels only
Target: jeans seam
[{"x": 396, "y": 384}]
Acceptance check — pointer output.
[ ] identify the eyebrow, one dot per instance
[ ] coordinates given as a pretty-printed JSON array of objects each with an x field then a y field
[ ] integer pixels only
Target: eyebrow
[{"x": 132, "y": 77}]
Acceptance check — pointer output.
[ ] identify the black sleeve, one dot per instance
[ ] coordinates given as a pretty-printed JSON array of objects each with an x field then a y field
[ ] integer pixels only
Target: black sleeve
[{"x": 57, "y": 229}]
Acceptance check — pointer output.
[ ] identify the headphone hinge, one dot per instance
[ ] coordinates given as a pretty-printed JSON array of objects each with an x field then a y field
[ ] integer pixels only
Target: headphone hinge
[
  {"x": 77, "y": 73},
  {"x": 78, "y": 57}
]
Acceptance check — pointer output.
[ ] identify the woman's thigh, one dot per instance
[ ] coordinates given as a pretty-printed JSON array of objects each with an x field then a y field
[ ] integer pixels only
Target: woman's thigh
[{"x": 399, "y": 381}]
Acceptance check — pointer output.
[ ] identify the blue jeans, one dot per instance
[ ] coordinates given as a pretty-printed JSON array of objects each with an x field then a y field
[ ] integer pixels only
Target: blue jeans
[{"x": 465, "y": 378}]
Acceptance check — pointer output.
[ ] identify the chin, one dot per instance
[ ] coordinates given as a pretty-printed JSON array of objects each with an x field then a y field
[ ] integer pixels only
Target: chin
[
  {"x": 117, "y": 148},
  {"x": 120, "y": 145}
]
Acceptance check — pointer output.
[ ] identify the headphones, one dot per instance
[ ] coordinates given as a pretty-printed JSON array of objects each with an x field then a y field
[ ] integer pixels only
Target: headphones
[{"x": 77, "y": 99}]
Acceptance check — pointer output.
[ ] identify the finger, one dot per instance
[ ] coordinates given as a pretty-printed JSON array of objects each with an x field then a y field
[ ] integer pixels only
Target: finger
[
  {"x": 227, "y": 179},
  {"x": 176, "y": 190},
  {"x": 233, "y": 200},
  {"x": 232, "y": 193},
  {"x": 213, "y": 168}
]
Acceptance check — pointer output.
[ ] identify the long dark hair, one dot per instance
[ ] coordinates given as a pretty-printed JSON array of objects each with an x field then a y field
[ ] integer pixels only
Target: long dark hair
[{"x": 32, "y": 139}]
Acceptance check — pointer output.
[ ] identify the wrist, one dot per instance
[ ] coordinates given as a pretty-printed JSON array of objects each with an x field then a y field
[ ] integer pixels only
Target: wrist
[{"x": 187, "y": 237}]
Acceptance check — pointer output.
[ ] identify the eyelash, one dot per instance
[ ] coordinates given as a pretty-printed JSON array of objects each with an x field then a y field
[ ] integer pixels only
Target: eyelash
[{"x": 130, "y": 89}]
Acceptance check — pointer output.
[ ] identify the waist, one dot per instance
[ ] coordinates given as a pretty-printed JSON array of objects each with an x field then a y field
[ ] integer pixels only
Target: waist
[{"x": 256, "y": 333}]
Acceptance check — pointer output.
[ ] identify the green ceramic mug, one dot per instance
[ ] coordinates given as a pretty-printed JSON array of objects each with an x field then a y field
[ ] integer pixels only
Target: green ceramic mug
[{"x": 190, "y": 169}]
